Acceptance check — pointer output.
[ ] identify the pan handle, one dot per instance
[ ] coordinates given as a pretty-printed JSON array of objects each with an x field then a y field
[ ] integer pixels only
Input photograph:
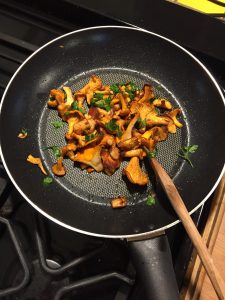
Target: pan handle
[{"x": 153, "y": 263}]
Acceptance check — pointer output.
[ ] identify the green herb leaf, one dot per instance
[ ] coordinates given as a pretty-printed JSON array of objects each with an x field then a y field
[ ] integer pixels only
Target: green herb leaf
[
  {"x": 51, "y": 98},
  {"x": 134, "y": 87},
  {"x": 98, "y": 96},
  {"x": 57, "y": 124},
  {"x": 74, "y": 106},
  {"x": 141, "y": 123},
  {"x": 185, "y": 152},
  {"x": 24, "y": 131},
  {"x": 150, "y": 200},
  {"x": 47, "y": 181},
  {"x": 89, "y": 137},
  {"x": 112, "y": 126},
  {"x": 55, "y": 149},
  {"x": 115, "y": 88},
  {"x": 67, "y": 113},
  {"x": 103, "y": 103},
  {"x": 152, "y": 153}
]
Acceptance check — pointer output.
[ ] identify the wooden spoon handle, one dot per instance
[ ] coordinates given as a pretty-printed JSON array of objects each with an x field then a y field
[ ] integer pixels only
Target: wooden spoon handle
[{"x": 181, "y": 210}]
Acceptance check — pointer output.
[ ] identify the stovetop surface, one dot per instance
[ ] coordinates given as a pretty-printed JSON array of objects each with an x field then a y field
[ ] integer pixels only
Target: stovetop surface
[{"x": 36, "y": 254}]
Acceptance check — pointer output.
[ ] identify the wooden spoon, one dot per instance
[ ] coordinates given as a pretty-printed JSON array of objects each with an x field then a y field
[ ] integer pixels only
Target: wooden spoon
[{"x": 181, "y": 210}]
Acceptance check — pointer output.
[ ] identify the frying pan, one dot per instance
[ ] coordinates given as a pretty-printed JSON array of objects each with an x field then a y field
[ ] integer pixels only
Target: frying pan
[{"x": 81, "y": 201}]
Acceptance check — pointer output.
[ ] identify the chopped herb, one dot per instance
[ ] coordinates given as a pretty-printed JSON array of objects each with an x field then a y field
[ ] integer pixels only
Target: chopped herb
[
  {"x": 141, "y": 123},
  {"x": 24, "y": 131},
  {"x": 130, "y": 94},
  {"x": 55, "y": 149},
  {"x": 152, "y": 153},
  {"x": 47, "y": 180},
  {"x": 115, "y": 88},
  {"x": 185, "y": 152},
  {"x": 103, "y": 103},
  {"x": 57, "y": 124},
  {"x": 89, "y": 137},
  {"x": 112, "y": 126},
  {"x": 133, "y": 87},
  {"x": 74, "y": 106},
  {"x": 98, "y": 96},
  {"x": 51, "y": 98},
  {"x": 67, "y": 113},
  {"x": 150, "y": 200}
]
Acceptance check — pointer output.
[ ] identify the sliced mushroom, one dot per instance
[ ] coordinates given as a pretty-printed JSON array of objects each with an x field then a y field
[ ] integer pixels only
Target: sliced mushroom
[
  {"x": 136, "y": 152},
  {"x": 128, "y": 132},
  {"x": 134, "y": 172},
  {"x": 36, "y": 161},
  {"x": 69, "y": 95},
  {"x": 94, "y": 84},
  {"x": 91, "y": 157},
  {"x": 162, "y": 103},
  {"x": 173, "y": 115},
  {"x": 125, "y": 110},
  {"x": 119, "y": 202},
  {"x": 132, "y": 143},
  {"x": 58, "y": 168},
  {"x": 109, "y": 164},
  {"x": 148, "y": 93}
]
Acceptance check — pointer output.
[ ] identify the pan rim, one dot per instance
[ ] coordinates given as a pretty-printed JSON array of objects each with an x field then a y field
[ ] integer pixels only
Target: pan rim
[{"x": 131, "y": 236}]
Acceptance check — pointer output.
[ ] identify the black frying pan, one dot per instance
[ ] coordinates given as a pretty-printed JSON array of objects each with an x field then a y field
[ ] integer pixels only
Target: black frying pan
[{"x": 81, "y": 201}]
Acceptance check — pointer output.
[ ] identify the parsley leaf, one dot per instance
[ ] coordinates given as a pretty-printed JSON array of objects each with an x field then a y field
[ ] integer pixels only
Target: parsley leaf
[
  {"x": 24, "y": 131},
  {"x": 150, "y": 200},
  {"x": 112, "y": 126},
  {"x": 185, "y": 152},
  {"x": 141, "y": 123},
  {"x": 47, "y": 180},
  {"x": 55, "y": 149},
  {"x": 98, "y": 96},
  {"x": 133, "y": 87},
  {"x": 89, "y": 137},
  {"x": 57, "y": 124},
  {"x": 103, "y": 103},
  {"x": 51, "y": 98},
  {"x": 152, "y": 153},
  {"x": 74, "y": 106},
  {"x": 115, "y": 88}
]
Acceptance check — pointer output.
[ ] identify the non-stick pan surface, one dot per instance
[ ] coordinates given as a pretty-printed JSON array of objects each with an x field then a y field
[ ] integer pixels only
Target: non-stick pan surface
[{"x": 81, "y": 201}]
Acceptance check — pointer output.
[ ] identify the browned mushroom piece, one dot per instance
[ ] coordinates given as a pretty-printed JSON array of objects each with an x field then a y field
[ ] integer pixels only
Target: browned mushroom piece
[
  {"x": 149, "y": 143},
  {"x": 148, "y": 93},
  {"x": 124, "y": 106},
  {"x": 128, "y": 132},
  {"x": 36, "y": 161},
  {"x": 132, "y": 143},
  {"x": 58, "y": 168},
  {"x": 134, "y": 172},
  {"x": 94, "y": 84},
  {"x": 109, "y": 164},
  {"x": 56, "y": 98},
  {"x": 91, "y": 156},
  {"x": 162, "y": 103},
  {"x": 135, "y": 152},
  {"x": 69, "y": 95},
  {"x": 156, "y": 133},
  {"x": 173, "y": 115},
  {"x": 119, "y": 202}
]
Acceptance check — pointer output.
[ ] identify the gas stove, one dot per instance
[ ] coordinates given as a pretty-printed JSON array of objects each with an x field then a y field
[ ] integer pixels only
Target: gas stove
[{"x": 39, "y": 259}]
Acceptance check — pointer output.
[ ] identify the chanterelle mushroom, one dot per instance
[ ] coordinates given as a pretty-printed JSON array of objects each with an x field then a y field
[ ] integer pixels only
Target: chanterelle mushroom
[
  {"x": 58, "y": 168},
  {"x": 91, "y": 157},
  {"x": 134, "y": 172}
]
